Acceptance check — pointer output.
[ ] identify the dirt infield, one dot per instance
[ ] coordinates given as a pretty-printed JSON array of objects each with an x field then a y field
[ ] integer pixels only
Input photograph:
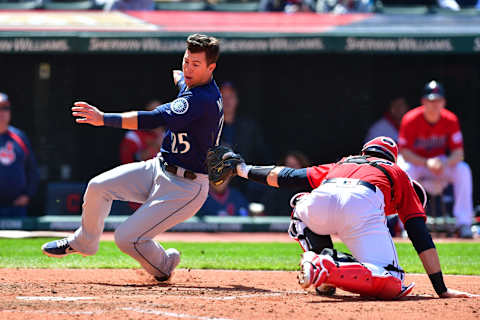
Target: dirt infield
[{"x": 209, "y": 295}]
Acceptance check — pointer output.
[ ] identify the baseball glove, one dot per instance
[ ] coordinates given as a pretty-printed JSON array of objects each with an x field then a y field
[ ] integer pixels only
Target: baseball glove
[{"x": 222, "y": 163}]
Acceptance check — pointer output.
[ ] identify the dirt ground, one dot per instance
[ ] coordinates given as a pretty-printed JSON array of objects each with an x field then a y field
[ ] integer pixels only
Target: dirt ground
[{"x": 211, "y": 295}]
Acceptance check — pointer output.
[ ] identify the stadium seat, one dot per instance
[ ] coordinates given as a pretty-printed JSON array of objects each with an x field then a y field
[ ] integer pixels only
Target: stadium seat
[
  {"x": 68, "y": 5},
  {"x": 236, "y": 6},
  {"x": 19, "y": 5},
  {"x": 180, "y": 5}
]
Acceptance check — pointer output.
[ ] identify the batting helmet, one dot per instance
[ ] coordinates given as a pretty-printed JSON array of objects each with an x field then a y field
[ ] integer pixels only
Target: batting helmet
[
  {"x": 4, "y": 100},
  {"x": 382, "y": 147}
]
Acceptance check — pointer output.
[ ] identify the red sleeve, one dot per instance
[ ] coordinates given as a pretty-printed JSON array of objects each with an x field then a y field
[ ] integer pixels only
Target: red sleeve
[
  {"x": 128, "y": 148},
  {"x": 316, "y": 174},
  {"x": 407, "y": 202},
  {"x": 455, "y": 138},
  {"x": 405, "y": 134}
]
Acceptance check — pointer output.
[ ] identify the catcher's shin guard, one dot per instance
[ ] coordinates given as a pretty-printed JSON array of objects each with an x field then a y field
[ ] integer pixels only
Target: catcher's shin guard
[{"x": 354, "y": 277}]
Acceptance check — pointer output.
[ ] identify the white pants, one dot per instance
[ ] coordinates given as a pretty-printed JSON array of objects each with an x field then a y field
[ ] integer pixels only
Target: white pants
[
  {"x": 355, "y": 214},
  {"x": 167, "y": 200},
  {"x": 459, "y": 175}
]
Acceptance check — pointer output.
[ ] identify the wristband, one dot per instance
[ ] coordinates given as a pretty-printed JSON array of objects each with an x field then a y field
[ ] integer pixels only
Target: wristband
[
  {"x": 259, "y": 174},
  {"x": 112, "y": 120},
  {"x": 437, "y": 282}
]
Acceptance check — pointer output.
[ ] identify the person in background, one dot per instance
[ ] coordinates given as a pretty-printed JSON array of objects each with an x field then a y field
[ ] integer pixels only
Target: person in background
[
  {"x": 18, "y": 167},
  {"x": 389, "y": 124},
  {"x": 140, "y": 145},
  {"x": 243, "y": 134},
  {"x": 277, "y": 201},
  {"x": 224, "y": 200},
  {"x": 431, "y": 144}
]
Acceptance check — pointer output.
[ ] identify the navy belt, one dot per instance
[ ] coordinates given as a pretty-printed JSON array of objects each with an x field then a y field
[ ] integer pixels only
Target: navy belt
[
  {"x": 351, "y": 182},
  {"x": 175, "y": 170}
]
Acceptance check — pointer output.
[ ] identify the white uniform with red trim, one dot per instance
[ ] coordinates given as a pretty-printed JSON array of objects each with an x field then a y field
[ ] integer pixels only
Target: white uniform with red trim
[{"x": 356, "y": 212}]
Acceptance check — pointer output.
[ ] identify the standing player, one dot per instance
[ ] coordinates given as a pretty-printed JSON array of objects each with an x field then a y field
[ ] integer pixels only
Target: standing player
[
  {"x": 431, "y": 143},
  {"x": 174, "y": 185},
  {"x": 350, "y": 198}
]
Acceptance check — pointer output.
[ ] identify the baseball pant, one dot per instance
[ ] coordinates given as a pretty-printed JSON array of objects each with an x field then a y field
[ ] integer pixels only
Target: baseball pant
[
  {"x": 459, "y": 175},
  {"x": 167, "y": 200},
  {"x": 355, "y": 214}
]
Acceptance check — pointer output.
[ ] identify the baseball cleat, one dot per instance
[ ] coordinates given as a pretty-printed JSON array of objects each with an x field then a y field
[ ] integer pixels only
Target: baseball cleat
[
  {"x": 325, "y": 290},
  {"x": 58, "y": 248},
  {"x": 405, "y": 290},
  {"x": 173, "y": 260}
]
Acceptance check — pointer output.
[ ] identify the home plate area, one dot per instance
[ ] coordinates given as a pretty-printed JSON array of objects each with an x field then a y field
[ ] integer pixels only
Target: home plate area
[{"x": 209, "y": 295}]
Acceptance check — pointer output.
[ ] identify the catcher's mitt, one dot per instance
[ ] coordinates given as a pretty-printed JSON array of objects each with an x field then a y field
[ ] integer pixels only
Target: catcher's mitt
[{"x": 222, "y": 163}]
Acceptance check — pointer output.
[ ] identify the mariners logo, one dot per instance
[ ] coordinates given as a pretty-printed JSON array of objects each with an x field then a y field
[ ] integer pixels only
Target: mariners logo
[{"x": 179, "y": 106}]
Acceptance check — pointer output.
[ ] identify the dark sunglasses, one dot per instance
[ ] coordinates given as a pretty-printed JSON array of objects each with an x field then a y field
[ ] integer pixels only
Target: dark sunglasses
[{"x": 4, "y": 108}]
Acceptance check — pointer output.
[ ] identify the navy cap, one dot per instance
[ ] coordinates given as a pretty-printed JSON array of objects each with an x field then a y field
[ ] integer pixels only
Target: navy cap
[{"x": 433, "y": 90}]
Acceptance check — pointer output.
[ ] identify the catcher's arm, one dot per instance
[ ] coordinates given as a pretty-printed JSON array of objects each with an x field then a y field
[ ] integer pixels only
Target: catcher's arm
[
  {"x": 278, "y": 177},
  {"x": 423, "y": 243}
]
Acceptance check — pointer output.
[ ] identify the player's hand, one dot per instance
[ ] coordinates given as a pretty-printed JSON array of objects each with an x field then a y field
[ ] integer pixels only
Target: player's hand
[
  {"x": 451, "y": 293},
  {"x": 435, "y": 165},
  {"x": 86, "y": 113}
]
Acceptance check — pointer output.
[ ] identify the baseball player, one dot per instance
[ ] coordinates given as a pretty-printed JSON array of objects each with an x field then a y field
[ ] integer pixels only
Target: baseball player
[
  {"x": 427, "y": 134},
  {"x": 172, "y": 186},
  {"x": 350, "y": 199}
]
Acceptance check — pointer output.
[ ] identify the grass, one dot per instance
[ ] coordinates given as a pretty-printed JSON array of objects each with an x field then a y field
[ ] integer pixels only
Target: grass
[{"x": 456, "y": 258}]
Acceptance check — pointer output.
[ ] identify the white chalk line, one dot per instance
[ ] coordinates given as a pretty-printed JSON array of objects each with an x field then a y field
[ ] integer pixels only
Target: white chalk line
[
  {"x": 55, "y": 312},
  {"x": 53, "y": 298},
  {"x": 171, "y": 314}
]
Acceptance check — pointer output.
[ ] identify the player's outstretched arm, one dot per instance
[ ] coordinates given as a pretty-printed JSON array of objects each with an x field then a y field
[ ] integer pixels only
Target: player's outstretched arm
[
  {"x": 86, "y": 113},
  {"x": 431, "y": 264},
  {"x": 423, "y": 243}
]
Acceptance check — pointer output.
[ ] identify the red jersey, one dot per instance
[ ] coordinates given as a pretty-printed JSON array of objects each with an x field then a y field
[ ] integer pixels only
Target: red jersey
[
  {"x": 430, "y": 140},
  {"x": 136, "y": 141},
  {"x": 405, "y": 201}
]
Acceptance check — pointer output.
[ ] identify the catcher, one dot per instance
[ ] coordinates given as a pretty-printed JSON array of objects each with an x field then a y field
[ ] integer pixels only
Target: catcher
[{"x": 350, "y": 199}]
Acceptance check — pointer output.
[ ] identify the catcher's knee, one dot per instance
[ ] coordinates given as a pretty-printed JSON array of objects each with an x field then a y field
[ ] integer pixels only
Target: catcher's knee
[{"x": 308, "y": 240}]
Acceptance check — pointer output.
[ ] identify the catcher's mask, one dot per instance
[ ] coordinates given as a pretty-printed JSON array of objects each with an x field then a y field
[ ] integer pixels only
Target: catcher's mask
[
  {"x": 383, "y": 147},
  {"x": 420, "y": 191}
]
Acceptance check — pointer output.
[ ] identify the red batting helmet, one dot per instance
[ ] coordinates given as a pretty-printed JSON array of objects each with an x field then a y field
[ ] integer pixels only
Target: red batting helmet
[{"x": 383, "y": 147}]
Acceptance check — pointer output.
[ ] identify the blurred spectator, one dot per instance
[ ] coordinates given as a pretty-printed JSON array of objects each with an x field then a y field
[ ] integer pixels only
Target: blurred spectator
[
  {"x": 125, "y": 5},
  {"x": 288, "y": 6},
  {"x": 18, "y": 168},
  {"x": 224, "y": 200},
  {"x": 344, "y": 6},
  {"x": 140, "y": 145},
  {"x": 431, "y": 144},
  {"x": 245, "y": 137},
  {"x": 277, "y": 200},
  {"x": 389, "y": 124}
]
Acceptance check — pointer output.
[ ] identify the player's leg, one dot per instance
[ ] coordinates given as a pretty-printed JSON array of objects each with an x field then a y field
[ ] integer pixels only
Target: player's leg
[
  {"x": 361, "y": 226},
  {"x": 129, "y": 182},
  {"x": 461, "y": 177},
  {"x": 350, "y": 275},
  {"x": 173, "y": 200},
  {"x": 313, "y": 234}
]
